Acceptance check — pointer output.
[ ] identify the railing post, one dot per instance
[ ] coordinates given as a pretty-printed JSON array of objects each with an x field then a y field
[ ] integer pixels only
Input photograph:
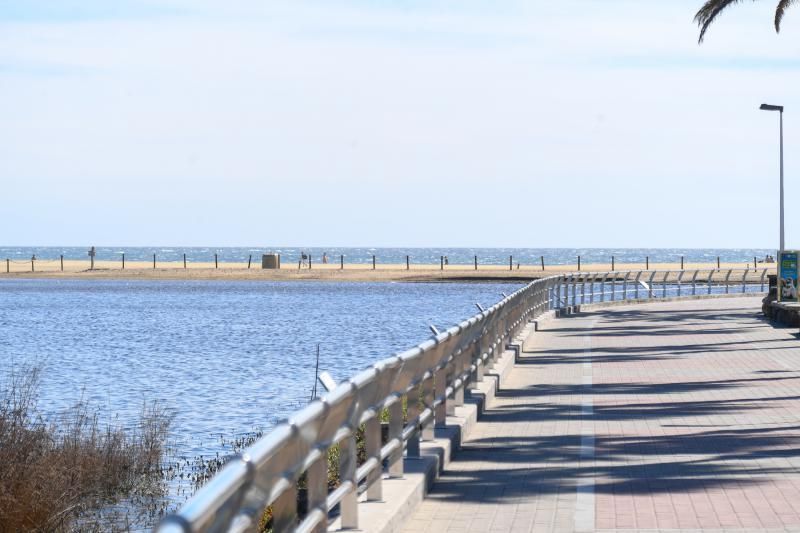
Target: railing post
[
  {"x": 440, "y": 386},
  {"x": 317, "y": 483},
  {"x": 744, "y": 280},
  {"x": 396, "y": 432},
  {"x": 412, "y": 412},
  {"x": 710, "y": 276},
  {"x": 372, "y": 437},
  {"x": 694, "y": 282},
  {"x": 347, "y": 472},
  {"x": 427, "y": 398},
  {"x": 284, "y": 510},
  {"x": 763, "y": 275},
  {"x": 727, "y": 277}
]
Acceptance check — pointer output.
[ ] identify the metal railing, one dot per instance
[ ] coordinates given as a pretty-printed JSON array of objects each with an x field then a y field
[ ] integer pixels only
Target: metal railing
[
  {"x": 597, "y": 287},
  {"x": 436, "y": 372},
  {"x": 430, "y": 379}
]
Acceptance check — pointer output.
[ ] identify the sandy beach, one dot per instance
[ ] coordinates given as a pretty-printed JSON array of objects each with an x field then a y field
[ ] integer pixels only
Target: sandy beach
[{"x": 73, "y": 269}]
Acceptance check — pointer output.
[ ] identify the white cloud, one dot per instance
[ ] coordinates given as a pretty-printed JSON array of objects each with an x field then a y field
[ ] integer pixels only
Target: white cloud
[{"x": 356, "y": 123}]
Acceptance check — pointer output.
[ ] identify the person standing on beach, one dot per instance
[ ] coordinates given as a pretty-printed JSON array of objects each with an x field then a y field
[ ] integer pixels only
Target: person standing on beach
[{"x": 324, "y": 258}]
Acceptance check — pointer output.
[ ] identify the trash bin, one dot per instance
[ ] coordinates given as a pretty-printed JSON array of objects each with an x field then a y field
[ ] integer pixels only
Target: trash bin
[{"x": 271, "y": 261}]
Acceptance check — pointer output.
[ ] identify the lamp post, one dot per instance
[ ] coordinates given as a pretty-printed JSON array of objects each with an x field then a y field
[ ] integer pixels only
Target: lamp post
[{"x": 779, "y": 108}]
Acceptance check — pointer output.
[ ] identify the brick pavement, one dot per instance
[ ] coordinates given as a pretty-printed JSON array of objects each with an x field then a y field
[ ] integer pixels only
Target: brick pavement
[{"x": 680, "y": 415}]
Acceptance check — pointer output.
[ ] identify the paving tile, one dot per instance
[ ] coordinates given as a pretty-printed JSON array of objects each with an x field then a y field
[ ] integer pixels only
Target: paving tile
[{"x": 694, "y": 410}]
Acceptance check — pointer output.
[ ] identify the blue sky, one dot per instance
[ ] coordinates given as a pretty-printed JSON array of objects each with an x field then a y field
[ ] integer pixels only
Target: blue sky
[{"x": 394, "y": 123}]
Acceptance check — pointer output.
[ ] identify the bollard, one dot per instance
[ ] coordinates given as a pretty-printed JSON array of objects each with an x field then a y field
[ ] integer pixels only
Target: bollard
[
  {"x": 476, "y": 262},
  {"x": 216, "y": 264},
  {"x": 408, "y": 263},
  {"x": 341, "y": 262},
  {"x": 542, "y": 263},
  {"x": 612, "y": 262},
  {"x": 717, "y": 261},
  {"x": 579, "y": 263},
  {"x": 249, "y": 260},
  {"x": 184, "y": 260},
  {"x": 647, "y": 262},
  {"x": 373, "y": 262},
  {"x": 123, "y": 260},
  {"x": 154, "y": 260},
  {"x": 511, "y": 262},
  {"x": 681, "y": 262},
  {"x": 62, "y": 262},
  {"x": 755, "y": 262},
  {"x": 441, "y": 261}
]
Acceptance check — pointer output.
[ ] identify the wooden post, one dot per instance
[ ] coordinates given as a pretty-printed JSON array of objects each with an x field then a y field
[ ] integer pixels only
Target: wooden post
[
  {"x": 184, "y": 260},
  {"x": 309, "y": 260},
  {"x": 341, "y": 262},
  {"x": 755, "y": 262},
  {"x": 717, "y": 261},
  {"x": 647, "y": 262},
  {"x": 62, "y": 262},
  {"x": 154, "y": 260},
  {"x": 441, "y": 261},
  {"x": 123, "y": 260},
  {"x": 373, "y": 262},
  {"x": 216, "y": 262},
  {"x": 8, "y": 265},
  {"x": 579, "y": 263},
  {"x": 612, "y": 263},
  {"x": 681, "y": 262},
  {"x": 476, "y": 262},
  {"x": 511, "y": 262},
  {"x": 299, "y": 264},
  {"x": 542, "y": 263},
  {"x": 408, "y": 263},
  {"x": 249, "y": 260}
]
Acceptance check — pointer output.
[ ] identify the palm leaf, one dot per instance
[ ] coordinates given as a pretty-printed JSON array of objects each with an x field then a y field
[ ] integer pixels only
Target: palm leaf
[
  {"x": 710, "y": 11},
  {"x": 783, "y": 5}
]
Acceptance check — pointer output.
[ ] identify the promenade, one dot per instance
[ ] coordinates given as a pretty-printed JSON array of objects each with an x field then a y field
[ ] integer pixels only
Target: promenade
[{"x": 660, "y": 416}]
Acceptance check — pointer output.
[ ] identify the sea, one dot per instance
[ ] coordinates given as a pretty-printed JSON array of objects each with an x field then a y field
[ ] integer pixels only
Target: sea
[{"x": 488, "y": 256}]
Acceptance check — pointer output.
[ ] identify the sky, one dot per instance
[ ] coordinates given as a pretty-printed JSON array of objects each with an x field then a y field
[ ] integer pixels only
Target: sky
[{"x": 577, "y": 123}]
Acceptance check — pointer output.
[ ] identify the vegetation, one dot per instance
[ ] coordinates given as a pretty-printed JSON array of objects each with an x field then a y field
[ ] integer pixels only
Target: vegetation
[
  {"x": 58, "y": 476},
  {"x": 713, "y": 8}
]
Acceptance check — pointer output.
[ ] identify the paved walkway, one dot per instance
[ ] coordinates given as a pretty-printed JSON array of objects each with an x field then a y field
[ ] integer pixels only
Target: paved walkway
[{"x": 681, "y": 415}]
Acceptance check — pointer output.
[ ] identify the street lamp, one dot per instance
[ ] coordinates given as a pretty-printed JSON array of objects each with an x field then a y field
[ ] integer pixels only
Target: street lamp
[{"x": 768, "y": 107}]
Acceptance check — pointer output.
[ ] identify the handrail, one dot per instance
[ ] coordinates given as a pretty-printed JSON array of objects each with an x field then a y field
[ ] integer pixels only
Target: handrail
[{"x": 436, "y": 372}]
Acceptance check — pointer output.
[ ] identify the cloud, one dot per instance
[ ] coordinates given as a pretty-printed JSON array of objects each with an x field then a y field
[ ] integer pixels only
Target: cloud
[{"x": 605, "y": 117}]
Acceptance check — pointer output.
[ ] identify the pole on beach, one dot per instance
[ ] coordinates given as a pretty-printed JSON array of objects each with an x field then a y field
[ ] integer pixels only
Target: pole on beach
[
  {"x": 612, "y": 262},
  {"x": 542, "y": 263},
  {"x": 62, "y": 262},
  {"x": 341, "y": 262},
  {"x": 511, "y": 262},
  {"x": 184, "y": 260},
  {"x": 476, "y": 262},
  {"x": 373, "y": 262},
  {"x": 216, "y": 264},
  {"x": 441, "y": 262},
  {"x": 647, "y": 262},
  {"x": 8, "y": 265},
  {"x": 408, "y": 263},
  {"x": 249, "y": 260},
  {"x": 681, "y": 262},
  {"x": 717, "y": 261},
  {"x": 123, "y": 260},
  {"x": 32, "y": 267},
  {"x": 755, "y": 262},
  {"x": 309, "y": 260},
  {"x": 154, "y": 260},
  {"x": 579, "y": 263}
]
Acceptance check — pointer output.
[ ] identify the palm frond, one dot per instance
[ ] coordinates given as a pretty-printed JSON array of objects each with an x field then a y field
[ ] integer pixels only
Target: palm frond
[
  {"x": 710, "y": 11},
  {"x": 783, "y": 5}
]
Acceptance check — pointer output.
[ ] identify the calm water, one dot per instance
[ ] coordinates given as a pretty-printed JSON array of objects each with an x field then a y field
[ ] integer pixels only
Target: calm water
[
  {"x": 224, "y": 357},
  {"x": 488, "y": 256}
]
